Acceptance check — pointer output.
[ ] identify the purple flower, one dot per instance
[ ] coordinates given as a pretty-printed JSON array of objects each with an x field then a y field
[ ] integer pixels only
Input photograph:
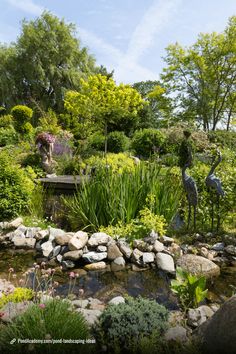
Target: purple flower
[
  {"x": 42, "y": 306},
  {"x": 45, "y": 139}
]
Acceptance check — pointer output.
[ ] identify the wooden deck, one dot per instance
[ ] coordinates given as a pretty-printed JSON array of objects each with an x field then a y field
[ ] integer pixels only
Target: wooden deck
[{"x": 63, "y": 183}]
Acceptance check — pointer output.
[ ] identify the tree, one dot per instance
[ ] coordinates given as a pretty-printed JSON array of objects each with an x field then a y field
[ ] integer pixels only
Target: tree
[
  {"x": 101, "y": 101},
  {"x": 202, "y": 78},
  {"x": 158, "y": 111},
  {"x": 46, "y": 60}
]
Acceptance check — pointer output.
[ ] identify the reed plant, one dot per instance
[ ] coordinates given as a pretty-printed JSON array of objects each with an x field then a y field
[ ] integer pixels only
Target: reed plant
[{"x": 110, "y": 197}]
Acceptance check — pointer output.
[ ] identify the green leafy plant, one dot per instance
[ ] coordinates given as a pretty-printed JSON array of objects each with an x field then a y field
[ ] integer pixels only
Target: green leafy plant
[
  {"x": 22, "y": 115},
  {"x": 6, "y": 120},
  {"x": 8, "y": 136},
  {"x": 53, "y": 320},
  {"x": 18, "y": 295},
  {"x": 191, "y": 290},
  {"x": 117, "y": 142},
  {"x": 147, "y": 142},
  {"x": 122, "y": 325}
]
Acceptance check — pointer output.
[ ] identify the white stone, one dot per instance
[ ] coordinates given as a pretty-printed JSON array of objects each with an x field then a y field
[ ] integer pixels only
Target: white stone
[
  {"x": 91, "y": 316},
  {"x": 165, "y": 262},
  {"x": 117, "y": 300},
  {"x": 93, "y": 257},
  {"x": 125, "y": 249},
  {"x": 98, "y": 238},
  {"x": 54, "y": 232},
  {"x": 177, "y": 333},
  {"x": 78, "y": 241},
  {"x": 148, "y": 257},
  {"x": 218, "y": 246},
  {"x": 16, "y": 223},
  {"x": 47, "y": 248},
  {"x": 158, "y": 246},
  {"x": 95, "y": 266}
]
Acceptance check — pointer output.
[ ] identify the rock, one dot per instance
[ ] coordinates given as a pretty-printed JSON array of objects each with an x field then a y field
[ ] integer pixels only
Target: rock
[
  {"x": 137, "y": 256},
  {"x": 14, "y": 224},
  {"x": 47, "y": 248},
  {"x": 53, "y": 232},
  {"x": 175, "y": 250},
  {"x": 78, "y": 241},
  {"x": 219, "y": 333},
  {"x": 113, "y": 251},
  {"x": 136, "y": 268},
  {"x": 98, "y": 238},
  {"x": 198, "y": 265},
  {"x": 177, "y": 334},
  {"x": 176, "y": 318},
  {"x": 117, "y": 300},
  {"x": 4, "y": 225},
  {"x": 99, "y": 249},
  {"x": 24, "y": 242},
  {"x": 148, "y": 257},
  {"x": 95, "y": 304},
  {"x": 229, "y": 240},
  {"x": 124, "y": 248},
  {"x": 218, "y": 247},
  {"x": 158, "y": 246},
  {"x": 118, "y": 264},
  {"x": 95, "y": 266},
  {"x": 93, "y": 257},
  {"x": 165, "y": 262},
  {"x": 80, "y": 303},
  {"x": 56, "y": 250},
  {"x": 198, "y": 316},
  {"x": 91, "y": 316},
  {"x": 67, "y": 264},
  {"x": 64, "y": 249},
  {"x": 32, "y": 231},
  {"x": 167, "y": 240},
  {"x": 59, "y": 258},
  {"x": 231, "y": 250},
  {"x": 73, "y": 255},
  {"x": 204, "y": 252},
  {"x": 41, "y": 234},
  {"x": 63, "y": 239},
  {"x": 151, "y": 238},
  {"x": 11, "y": 310}
]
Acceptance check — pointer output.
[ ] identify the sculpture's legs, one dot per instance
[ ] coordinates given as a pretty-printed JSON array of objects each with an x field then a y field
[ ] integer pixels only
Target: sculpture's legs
[
  {"x": 218, "y": 213},
  {"x": 194, "y": 217},
  {"x": 189, "y": 214}
]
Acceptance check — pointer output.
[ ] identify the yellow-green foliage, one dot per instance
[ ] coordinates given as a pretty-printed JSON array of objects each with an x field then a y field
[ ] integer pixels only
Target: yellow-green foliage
[
  {"x": 138, "y": 228},
  {"x": 117, "y": 162},
  {"x": 18, "y": 295}
]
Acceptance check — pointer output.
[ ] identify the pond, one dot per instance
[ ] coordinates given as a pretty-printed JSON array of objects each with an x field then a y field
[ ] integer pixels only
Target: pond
[{"x": 104, "y": 285}]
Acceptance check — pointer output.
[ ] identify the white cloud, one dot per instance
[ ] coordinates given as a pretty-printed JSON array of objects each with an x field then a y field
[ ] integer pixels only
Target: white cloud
[{"x": 27, "y": 6}]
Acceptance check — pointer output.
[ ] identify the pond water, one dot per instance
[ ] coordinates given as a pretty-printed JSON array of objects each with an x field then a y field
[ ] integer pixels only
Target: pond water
[{"x": 104, "y": 285}]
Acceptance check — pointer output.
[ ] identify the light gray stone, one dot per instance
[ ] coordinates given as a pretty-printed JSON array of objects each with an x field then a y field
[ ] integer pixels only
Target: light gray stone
[
  {"x": 100, "y": 249},
  {"x": 59, "y": 258},
  {"x": 11, "y": 310},
  {"x": 113, "y": 251},
  {"x": 56, "y": 250},
  {"x": 198, "y": 265},
  {"x": 148, "y": 257},
  {"x": 24, "y": 242},
  {"x": 67, "y": 264},
  {"x": 91, "y": 316},
  {"x": 158, "y": 246},
  {"x": 198, "y": 316},
  {"x": 231, "y": 250},
  {"x": 98, "y": 238},
  {"x": 73, "y": 255},
  {"x": 177, "y": 334},
  {"x": 137, "y": 256},
  {"x": 117, "y": 300},
  {"x": 63, "y": 239},
  {"x": 53, "y": 232},
  {"x": 167, "y": 240},
  {"x": 118, "y": 264},
  {"x": 93, "y": 257},
  {"x": 125, "y": 248},
  {"x": 47, "y": 248},
  {"x": 78, "y": 241},
  {"x": 41, "y": 234},
  {"x": 32, "y": 231},
  {"x": 165, "y": 262},
  {"x": 218, "y": 247},
  {"x": 80, "y": 303},
  {"x": 14, "y": 224}
]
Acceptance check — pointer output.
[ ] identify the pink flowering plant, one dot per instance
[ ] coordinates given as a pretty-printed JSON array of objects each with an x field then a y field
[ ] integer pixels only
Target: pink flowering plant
[{"x": 45, "y": 139}]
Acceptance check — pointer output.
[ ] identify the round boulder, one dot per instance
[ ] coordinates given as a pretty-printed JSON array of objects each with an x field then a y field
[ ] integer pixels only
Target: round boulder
[{"x": 198, "y": 265}]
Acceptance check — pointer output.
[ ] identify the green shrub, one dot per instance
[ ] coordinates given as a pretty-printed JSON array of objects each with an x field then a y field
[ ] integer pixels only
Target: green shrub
[
  {"x": 8, "y": 136},
  {"x": 117, "y": 142},
  {"x": 52, "y": 320},
  {"x": 15, "y": 188},
  {"x": 2, "y": 110},
  {"x": 190, "y": 289},
  {"x": 6, "y": 121},
  {"x": 116, "y": 162},
  {"x": 49, "y": 123},
  {"x": 96, "y": 141},
  {"x": 147, "y": 142},
  {"x": 111, "y": 197},
  {"x": 18, "y": 295},
  {"x": 125, "y": 324},
  {"x": 21, "y": 114},
  {"x": 27, "y": 129},
  {"x": 224, "y": 138}
]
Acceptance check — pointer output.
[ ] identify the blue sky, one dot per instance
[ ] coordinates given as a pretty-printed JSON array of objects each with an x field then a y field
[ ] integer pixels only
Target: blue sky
[{"x": 129, "y": 36}]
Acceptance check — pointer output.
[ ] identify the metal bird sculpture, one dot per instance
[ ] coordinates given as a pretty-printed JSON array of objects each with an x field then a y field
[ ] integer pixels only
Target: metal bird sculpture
[
  {"x": 191, "y": 192},
  {"x": 214, "y": 186}
]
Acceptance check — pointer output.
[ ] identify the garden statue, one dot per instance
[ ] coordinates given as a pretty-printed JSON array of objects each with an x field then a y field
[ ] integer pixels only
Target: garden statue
[
  {"x": 214, "y": 187},
  {"x": 45, "y": 143},
  {"x": 186, "y": 161}
]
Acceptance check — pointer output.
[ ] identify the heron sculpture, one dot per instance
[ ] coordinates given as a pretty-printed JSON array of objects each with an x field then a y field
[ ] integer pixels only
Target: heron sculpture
[
  {"x": 215, "y": 187},
  {"x": 191, "y": 192}
]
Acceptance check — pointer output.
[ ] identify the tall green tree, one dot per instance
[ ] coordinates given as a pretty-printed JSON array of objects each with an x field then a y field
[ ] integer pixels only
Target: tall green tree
[
  {"x": 158, "y": 112},
  {"x": 202, "y": 78},
  {"x": 47, "y": 59},
  {"x": 100, "y": 101}
]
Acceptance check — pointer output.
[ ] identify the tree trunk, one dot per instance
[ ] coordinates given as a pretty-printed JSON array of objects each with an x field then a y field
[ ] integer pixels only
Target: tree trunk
[{"x": 105, "y": 133}]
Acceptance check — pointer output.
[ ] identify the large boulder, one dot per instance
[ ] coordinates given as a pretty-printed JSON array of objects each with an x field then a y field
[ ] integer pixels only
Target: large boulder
[
  {"x": 219, "y": 333},
  {"x": 78, "y": 241},
  {"x": 198, "y": 265}
]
